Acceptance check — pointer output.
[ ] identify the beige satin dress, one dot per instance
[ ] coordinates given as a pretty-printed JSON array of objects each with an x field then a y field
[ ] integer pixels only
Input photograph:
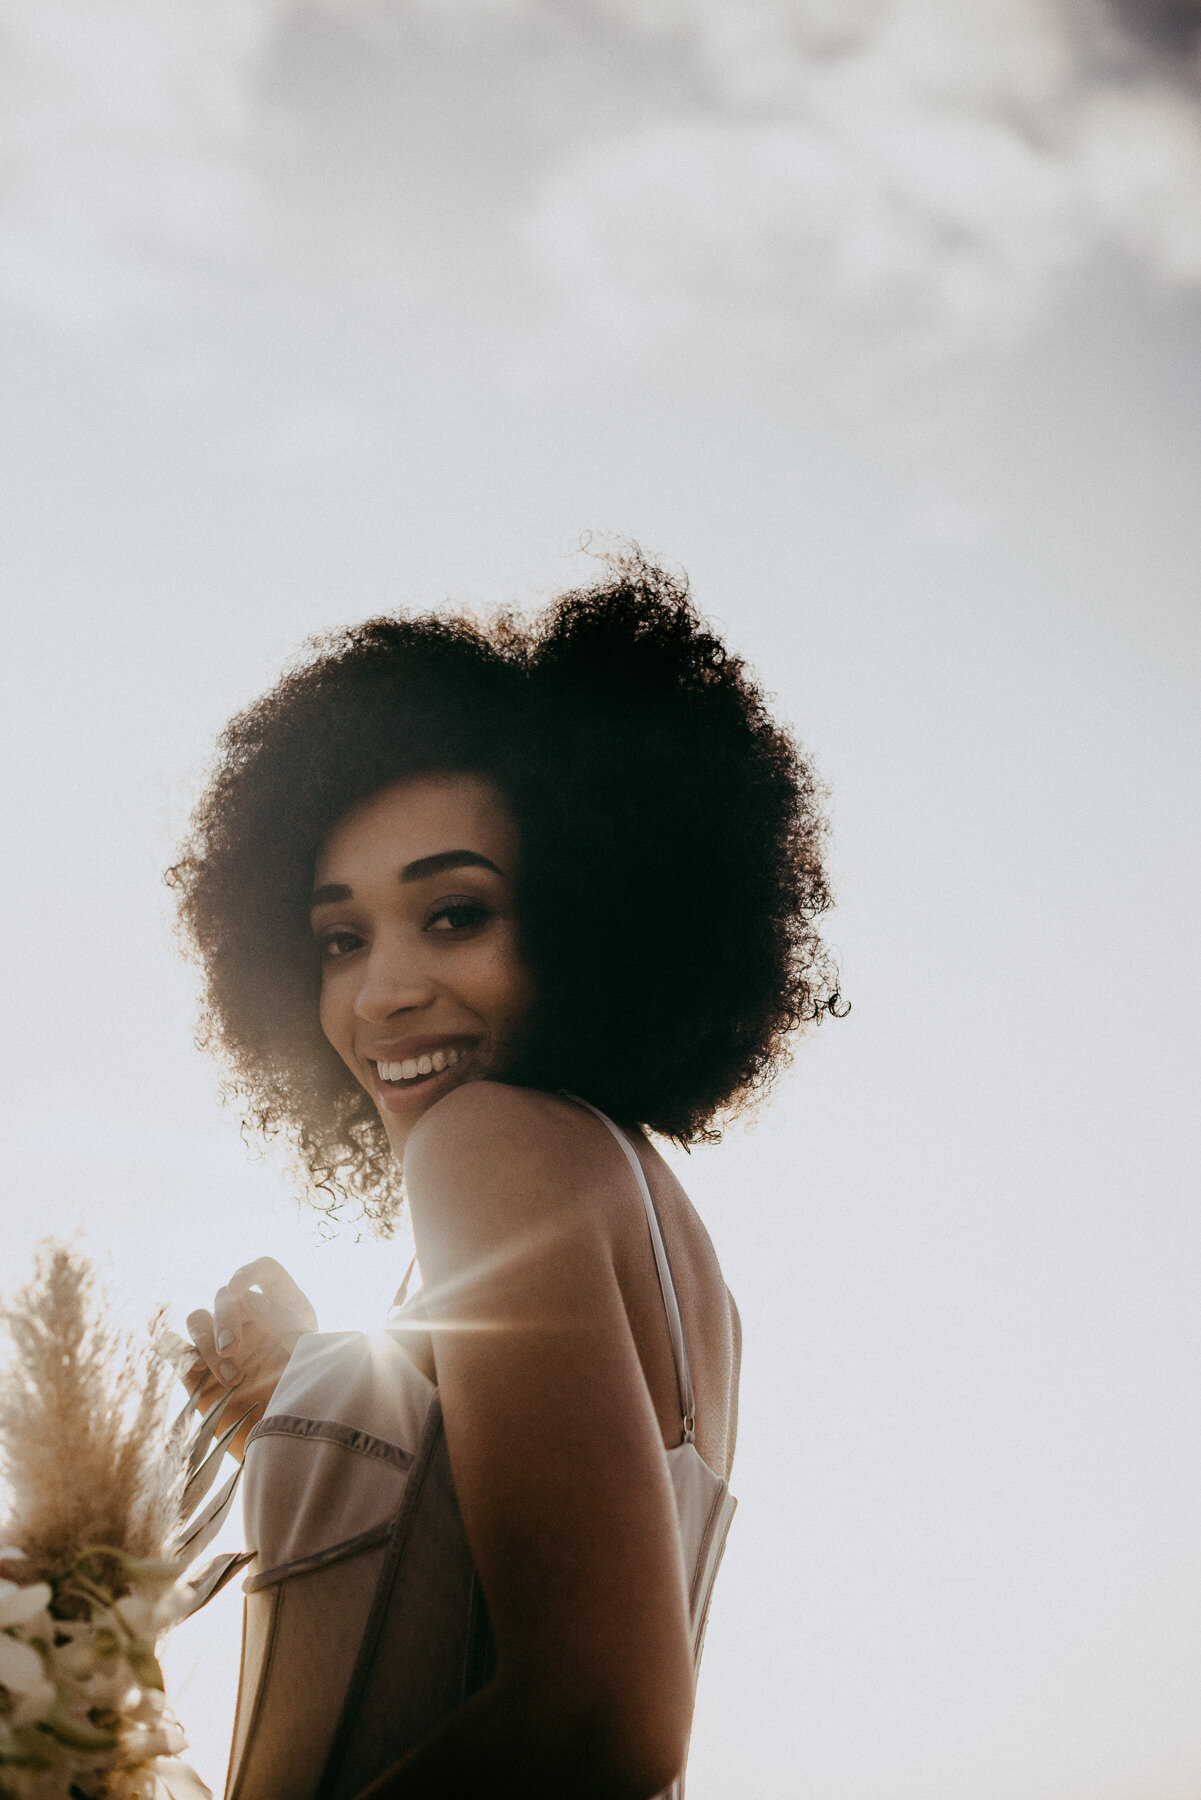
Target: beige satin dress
[{"x": 365, "y": 1624}]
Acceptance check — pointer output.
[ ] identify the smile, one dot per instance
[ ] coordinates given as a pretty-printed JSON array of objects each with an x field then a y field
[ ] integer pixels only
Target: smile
[{"x": 418, "y": 1068}]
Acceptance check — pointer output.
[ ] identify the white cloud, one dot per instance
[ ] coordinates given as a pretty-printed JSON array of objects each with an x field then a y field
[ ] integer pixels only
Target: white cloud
[
  {"x": 937, "y": 169},
  {"x": 930, "y": 168}
]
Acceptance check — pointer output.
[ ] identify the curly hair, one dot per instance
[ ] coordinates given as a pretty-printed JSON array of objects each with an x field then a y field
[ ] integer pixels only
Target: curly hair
[{"x": 669, "y": 884}]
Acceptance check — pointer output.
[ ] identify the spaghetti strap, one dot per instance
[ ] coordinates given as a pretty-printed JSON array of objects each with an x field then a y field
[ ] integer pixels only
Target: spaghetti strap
[{"x": 667, "y": 1286}]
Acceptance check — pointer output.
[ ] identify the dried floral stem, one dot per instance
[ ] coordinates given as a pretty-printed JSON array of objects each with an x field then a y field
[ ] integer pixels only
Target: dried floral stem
[
  {"x": 98, "y": 1548},
  {"x": 84, "y": 1450}
]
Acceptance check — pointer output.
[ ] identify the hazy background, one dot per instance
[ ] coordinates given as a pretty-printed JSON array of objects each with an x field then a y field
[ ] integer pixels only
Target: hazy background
[{"x": 881, "y": 319}]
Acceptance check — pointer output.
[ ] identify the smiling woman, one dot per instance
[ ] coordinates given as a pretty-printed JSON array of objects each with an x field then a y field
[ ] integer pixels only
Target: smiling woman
[
  {"x": 422, "y": 985},
  {"x": 667, "y": 891},
  {"x": 445, "y": 880}
]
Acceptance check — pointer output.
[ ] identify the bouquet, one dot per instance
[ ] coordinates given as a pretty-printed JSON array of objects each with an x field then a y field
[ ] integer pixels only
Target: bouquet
[{"x": 109, "y": 1511}]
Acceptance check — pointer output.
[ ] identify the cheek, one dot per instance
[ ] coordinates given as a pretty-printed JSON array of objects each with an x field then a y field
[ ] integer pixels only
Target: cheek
[
  {"x": 333, "y": 1011},
  {"x": 512, "y": 985}
]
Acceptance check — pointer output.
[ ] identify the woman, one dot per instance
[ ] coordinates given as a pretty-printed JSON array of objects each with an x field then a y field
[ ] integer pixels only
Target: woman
[{"x": 484, "y": 907}]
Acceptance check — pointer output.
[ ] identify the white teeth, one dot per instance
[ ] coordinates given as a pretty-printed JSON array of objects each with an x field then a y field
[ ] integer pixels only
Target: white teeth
[{"x": 413, "y": 1066}]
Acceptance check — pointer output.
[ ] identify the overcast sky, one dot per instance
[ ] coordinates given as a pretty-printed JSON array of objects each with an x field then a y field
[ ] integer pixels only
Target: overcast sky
[{"x": 313, "y": 312}]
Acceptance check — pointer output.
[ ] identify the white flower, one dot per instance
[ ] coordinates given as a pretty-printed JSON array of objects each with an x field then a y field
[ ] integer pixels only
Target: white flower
[
  {"x": 20, "y": 1604},
  {"x": 154, "y": 1606},
  {"x": 23, "y": 1674},
  {"x": 180, "y": 1780},
  {"x": 21, "y": 1670}
]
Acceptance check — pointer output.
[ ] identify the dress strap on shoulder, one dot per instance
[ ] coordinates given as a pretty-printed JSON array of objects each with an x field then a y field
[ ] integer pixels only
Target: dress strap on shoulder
[{"x": 667, "y": 1286}]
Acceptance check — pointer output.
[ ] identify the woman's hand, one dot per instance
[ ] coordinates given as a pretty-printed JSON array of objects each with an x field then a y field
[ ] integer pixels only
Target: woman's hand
[{"x": 245, "y": 1342}]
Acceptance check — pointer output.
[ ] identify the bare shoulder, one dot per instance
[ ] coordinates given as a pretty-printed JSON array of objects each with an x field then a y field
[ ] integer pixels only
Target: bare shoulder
[
  {"x": 495, "y": 1155},
  {"x": 491, "y": 1120},
  {"x": 489, "y": 1107}
]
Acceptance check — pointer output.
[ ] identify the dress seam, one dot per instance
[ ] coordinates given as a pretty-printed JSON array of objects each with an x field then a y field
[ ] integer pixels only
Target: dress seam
[
  {"x": 331, "y": 1431},
  {"x": 319, "y": 1559},
  {"x": 703, "y": 1550}
]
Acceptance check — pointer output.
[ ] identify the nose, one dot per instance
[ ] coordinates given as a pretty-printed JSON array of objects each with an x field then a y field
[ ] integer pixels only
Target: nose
[{"x": 392, "y": 983}]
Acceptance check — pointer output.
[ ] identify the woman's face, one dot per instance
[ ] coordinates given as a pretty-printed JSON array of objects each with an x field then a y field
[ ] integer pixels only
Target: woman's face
[{"x": 421, "y": 985}]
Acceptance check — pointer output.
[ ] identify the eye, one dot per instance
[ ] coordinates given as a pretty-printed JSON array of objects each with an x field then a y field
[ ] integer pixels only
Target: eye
[
  {"x": 338, "y": 943},
  {"x": 458, "y": 915}
]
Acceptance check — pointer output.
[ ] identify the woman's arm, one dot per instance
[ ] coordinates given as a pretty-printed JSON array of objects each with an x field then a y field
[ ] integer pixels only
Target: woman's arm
[{"x": 558, "y": 1464}]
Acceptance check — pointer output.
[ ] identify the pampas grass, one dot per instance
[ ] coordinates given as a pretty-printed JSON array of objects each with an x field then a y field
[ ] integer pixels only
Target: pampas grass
[
  {"x": 85, "y": 1452},
  {"x": 98, "y": 1543}
]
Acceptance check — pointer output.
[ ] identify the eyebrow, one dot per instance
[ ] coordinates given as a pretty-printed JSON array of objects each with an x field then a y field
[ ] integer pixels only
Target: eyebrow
[{"x": 424, "y": 866}]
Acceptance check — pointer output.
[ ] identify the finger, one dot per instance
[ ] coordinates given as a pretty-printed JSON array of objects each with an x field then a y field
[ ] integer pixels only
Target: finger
[
  {"x": 231, "y": 1315},
  {"x": 200, "y": 1324},
  {"x": 244, "y": 1316},
  {"x": 275, "y": 1323},
  {"x": 275, "y": 1282},
  {"x": 198, "y": 1378}
]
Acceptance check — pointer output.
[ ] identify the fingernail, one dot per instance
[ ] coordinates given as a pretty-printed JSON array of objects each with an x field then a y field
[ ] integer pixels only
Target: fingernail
[
  {"x": 228, "y": 1371},
  {"x": 225, "y": 1340}
]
